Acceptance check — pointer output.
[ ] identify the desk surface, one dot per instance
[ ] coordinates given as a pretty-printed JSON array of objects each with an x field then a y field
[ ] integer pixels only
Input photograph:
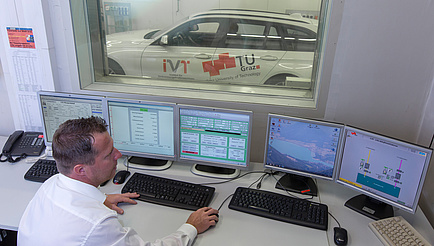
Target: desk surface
[{"x": 234, "y": 228}]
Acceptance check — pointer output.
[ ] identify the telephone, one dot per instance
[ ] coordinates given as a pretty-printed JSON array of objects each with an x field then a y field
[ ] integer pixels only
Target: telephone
[{"x": 23, "y": 144}]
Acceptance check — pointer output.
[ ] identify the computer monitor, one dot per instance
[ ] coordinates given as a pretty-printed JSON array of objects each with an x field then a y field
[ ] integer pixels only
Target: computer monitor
[
  {"x": 57, "y": 107},
  {"x": 216, "y": 140},
  {"x": 389, "y": 172},
  {"x": 303, "y": 149},
  {"x": 145, "y": 131}
]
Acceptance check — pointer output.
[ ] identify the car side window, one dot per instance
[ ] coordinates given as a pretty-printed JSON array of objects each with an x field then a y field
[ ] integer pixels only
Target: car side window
[
  {"x": 195, "y": 33},
  {"x": 245, "y": 35},
  {"x": 273, "y": 40},
  {"x": 298, "y": 39}
]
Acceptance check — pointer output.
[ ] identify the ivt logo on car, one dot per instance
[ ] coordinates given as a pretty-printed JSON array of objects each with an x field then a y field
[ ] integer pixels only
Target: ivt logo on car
[
  {"x": 175, "y": 68},
  {"x": 246, "y": 63}
]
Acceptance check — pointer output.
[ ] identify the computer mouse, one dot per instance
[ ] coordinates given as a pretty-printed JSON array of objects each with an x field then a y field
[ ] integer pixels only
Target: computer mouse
[
  {"x": 340, "y": 236},
  {"x": 121, "y": 176}
]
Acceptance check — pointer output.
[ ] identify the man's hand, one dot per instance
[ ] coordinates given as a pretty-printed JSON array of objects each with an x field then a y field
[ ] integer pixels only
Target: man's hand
[
  {"x": 112, "y": 200},
  {"x": 203, "y": 218}
]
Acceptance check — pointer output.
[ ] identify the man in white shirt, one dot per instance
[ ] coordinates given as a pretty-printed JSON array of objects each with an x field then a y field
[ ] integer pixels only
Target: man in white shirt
[{"x": 69, "y": 209}]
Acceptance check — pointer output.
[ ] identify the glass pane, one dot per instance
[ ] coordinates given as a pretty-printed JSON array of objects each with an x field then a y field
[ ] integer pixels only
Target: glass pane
[{"x": 272, "y": 51}]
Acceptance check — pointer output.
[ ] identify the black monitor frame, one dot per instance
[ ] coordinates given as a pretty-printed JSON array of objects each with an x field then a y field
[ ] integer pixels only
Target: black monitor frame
[{"x": 297, "y": 180}]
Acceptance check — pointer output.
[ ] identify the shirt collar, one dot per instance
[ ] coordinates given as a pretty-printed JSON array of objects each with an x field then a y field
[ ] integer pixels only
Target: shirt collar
[{"x": 83, "y": 188}]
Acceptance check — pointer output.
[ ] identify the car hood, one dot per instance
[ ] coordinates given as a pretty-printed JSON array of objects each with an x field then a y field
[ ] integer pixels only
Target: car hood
[{"x": 130, "y": 37}]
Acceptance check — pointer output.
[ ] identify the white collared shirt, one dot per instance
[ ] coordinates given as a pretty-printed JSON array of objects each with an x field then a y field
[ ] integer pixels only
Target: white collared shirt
[{"x": 65, "y": 211}]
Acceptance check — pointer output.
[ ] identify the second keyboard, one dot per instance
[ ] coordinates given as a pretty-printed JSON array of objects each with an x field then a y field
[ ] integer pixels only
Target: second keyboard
[
  {"x": 41, "y": 170},
  {"x": 280, "y": 207},
  {"x": 169, "y": 192}
]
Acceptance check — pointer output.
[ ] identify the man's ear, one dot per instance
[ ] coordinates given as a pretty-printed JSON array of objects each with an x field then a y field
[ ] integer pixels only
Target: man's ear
[{"x": 79, "y": 170}]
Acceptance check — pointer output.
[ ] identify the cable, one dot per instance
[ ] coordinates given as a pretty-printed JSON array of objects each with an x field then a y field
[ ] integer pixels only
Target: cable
[
  {"x": 232, "y": 179},
  {"x": 339, "y": 224},
  {"x": 221, "y": 205}
]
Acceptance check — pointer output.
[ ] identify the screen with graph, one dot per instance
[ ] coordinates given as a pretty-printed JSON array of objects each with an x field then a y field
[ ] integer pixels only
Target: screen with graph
[{"x": 387, "y": 169}]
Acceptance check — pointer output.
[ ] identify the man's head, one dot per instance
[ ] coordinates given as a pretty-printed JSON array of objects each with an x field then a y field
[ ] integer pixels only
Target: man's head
[{"x": 84, "y": 150}]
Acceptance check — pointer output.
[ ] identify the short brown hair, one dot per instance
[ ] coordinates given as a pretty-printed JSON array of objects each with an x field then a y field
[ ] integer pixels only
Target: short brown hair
[{"x": 73, "y": 142}]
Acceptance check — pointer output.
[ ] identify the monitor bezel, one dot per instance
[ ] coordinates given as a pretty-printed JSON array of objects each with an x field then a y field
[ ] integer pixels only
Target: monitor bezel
[
  {"x": 173, "y": 157},
  {"x": 306, "y": 120},
  {"x": 66, "y": 95},
  {"x": 398, "y": 142},
  {"x": 215, "y": 163}
]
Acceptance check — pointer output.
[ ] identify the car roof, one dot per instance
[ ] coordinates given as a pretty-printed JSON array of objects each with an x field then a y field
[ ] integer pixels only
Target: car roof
[{"x": 297, "y": 17}]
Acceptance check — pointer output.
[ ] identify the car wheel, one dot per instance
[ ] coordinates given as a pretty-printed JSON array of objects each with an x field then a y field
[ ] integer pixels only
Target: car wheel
[
  {"x": 279, "y": 79},
  {"x": 115, "y": 68}
]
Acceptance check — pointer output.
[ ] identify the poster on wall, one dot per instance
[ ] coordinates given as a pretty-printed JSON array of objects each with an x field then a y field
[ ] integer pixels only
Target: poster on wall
[{"x": 21, "y": 37}]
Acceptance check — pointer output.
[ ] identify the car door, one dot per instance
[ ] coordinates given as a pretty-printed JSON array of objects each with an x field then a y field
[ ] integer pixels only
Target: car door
[
  {"x": 179, "y": 53},
  {"x": 299, "y": 44},
  {"x": 249, "y": 51}
]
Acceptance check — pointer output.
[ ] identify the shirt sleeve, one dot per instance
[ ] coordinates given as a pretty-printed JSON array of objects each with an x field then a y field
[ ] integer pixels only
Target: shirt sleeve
[{"x": 111, "y": 232}]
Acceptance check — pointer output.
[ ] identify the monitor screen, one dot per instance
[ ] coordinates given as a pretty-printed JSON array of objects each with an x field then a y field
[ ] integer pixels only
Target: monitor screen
[
  {"x": 57, "y": 107},
  {"x": 302, "y": 147},
  {"x": 384, "y": 168},
  {"x": 215, "y": 137},
  {"x": 142, "y": 128}
]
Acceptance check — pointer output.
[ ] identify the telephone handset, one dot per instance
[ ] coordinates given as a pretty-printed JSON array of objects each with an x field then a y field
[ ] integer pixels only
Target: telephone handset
[{"x": 23, "y": 144}]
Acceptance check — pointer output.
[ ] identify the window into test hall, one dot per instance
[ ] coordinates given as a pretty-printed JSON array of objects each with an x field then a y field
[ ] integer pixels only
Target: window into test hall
[{"x": 256, "y": 51}]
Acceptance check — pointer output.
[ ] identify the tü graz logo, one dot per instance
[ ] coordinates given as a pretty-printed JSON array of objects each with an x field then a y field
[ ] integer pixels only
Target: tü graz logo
[
  {"x": 174, "y": 68},
  {"x": 225, "y": 62}
]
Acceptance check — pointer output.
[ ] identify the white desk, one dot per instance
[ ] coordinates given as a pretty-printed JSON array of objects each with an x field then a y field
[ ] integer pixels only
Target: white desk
[{"x": 234, "y": 228}]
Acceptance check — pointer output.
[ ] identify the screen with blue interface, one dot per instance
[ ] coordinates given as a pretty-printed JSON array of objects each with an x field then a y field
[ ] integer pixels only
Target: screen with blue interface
[
  {"x": 303, "y": 146},
  {"x": 143, "y": 129},
  {"x": 385, "y": 168},
  {"x": 215, "y": 136},
  {"x": 57, "y": 107}
]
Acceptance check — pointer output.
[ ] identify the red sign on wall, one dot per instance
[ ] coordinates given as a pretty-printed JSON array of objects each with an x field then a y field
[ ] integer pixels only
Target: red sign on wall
[{"x": 21, "y": 37}]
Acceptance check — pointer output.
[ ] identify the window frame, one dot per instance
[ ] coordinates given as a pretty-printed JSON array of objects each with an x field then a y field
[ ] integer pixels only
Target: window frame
[{"x": 94, "y": 80}]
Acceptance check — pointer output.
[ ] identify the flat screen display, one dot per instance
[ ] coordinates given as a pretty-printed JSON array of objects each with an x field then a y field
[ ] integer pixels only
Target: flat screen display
[
  {"x": 384, "y": 168},
  {"x": 143, "y": 128},
  {"x": 57, "y": 107},
  {"x": 212, "y": 136},
  {"x": 303, "y": 147}
]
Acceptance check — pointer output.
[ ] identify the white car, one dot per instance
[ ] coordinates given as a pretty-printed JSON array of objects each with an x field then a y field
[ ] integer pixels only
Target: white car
[{"x": 231, "y": 46}]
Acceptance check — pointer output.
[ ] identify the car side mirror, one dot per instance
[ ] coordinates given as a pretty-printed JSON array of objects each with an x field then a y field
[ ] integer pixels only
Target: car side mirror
[{"x": 164, "y": 40}]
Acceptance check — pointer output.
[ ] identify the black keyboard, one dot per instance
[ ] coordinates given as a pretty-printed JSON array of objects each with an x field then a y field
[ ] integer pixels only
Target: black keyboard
[
  {"x": 169, "y": 192},
  {"x": 280, "y": 207},
  {"x": 41, "y": 170}
]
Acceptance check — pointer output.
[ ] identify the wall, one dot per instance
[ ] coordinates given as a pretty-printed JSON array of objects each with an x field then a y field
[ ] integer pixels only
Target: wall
[
  {"x": 382, "y": 77},
  {"x": 7, "y": 123}
]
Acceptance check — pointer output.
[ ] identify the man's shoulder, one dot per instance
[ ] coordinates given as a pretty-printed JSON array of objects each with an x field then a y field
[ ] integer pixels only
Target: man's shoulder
[{"x": 83, "y": 202}]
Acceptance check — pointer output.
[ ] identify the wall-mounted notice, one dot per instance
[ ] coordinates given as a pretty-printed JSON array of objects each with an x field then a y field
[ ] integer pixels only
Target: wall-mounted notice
[{"x": 21, "y": 37}]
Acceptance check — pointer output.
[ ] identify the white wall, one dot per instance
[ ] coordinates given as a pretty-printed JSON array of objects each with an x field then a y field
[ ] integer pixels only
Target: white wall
[
  {"x": 383, "y": 69},
  {"x": 383, "y": 73},
  {"x": 7, "y": 123}
]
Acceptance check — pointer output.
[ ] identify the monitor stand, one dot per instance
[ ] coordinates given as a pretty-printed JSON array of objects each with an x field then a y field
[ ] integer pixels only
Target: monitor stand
[
  {"x": 298, "y": 184},
  {"x": 370, "y": 207},
  {"x": 215, "y": 172},
  {"x": 145, "y": 163}
]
